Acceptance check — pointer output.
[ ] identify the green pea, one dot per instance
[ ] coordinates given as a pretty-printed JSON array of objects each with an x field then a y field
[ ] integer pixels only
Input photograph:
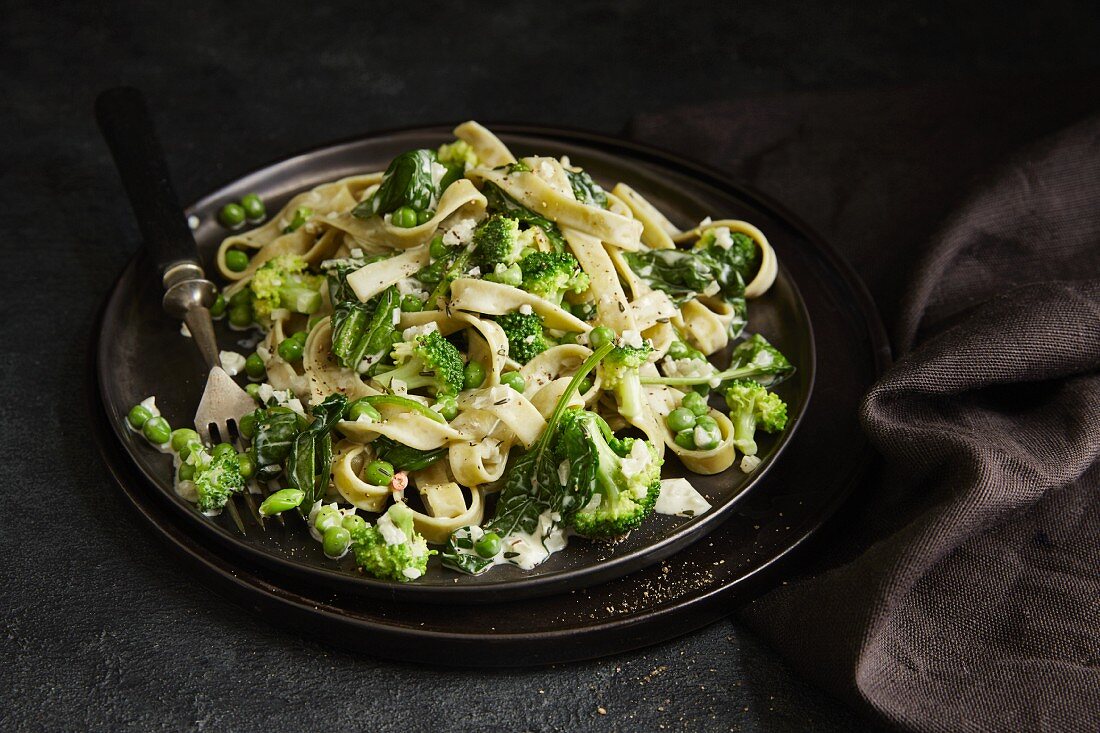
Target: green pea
[
  {"x": 221, "y": 449},
  {"x": 248, "y": 466},
  {"x": 181, "y": 437},
  {"x": 404, "y": 217},
  {"x": 281, "y": 501},
  {"x": 411, "y": 304},
  {"x": 353, "y": 522},
  {"x": 253, "y": 391},
  {"x": 157, "y": 430},
  {"x": 231, "y": 216},
  {"x": 236, "y": 260},
  {"x": 488, "y": 546},
  {"x": 218, "y": 309},
  {"x": 253, "y": 207},
  {"x": 448, "y": 407},
  {"x": 185, "y": 451},
  {"x": 679, "y": 350},
  {"x": 686, "y": 439},
  {"x": 139, "y": 415},
  {"x": 584, "y": 386},
  {"x": 240, "y": 316},
  {"x": 254, "y": 366},
  {"x": 379, "y": 473},
  {"x": 696, "y": 403},
  {"x": 290, "y": 349},
  {"x": 437, "y": 249},
  {"x": 336, "y": 541},
  {"x": 423, "y": 217},
  {"x": 239, "y": 298},
  {"x": 361, "y": 407},
  {"x": 247, "y": 424},
  {"x": 186, "y": 472},
  {"x": 600, "y": 335},
  {"x": 474, "y": 375},
  {"x": 707, "y": 435},
  {"x": 707, "y": 423},
  {"x": 680, "y": 419},
  {"x": 569, "y": 337},
  {"x": 514, "y": 380},
  {"x": 327, "y": 517}
]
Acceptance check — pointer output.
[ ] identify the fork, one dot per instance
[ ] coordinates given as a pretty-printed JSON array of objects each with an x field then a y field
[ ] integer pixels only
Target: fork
[{"x": 128, "y": 129}]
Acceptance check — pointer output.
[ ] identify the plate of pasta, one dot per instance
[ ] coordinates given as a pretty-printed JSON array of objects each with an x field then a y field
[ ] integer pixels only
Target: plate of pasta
[{"x": 482, "y": 364}]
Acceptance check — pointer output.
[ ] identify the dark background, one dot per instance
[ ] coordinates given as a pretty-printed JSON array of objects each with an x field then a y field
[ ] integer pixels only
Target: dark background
[{"x": 101, "y": 630}]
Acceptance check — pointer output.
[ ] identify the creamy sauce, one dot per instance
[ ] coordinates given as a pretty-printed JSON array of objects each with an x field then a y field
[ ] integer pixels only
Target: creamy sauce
[{"x": 679, "y": 498}]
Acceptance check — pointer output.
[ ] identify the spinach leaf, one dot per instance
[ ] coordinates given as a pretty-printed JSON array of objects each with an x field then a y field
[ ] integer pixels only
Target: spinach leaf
[
  {"x": 679, "y": 274},
  {"x": 404, "y": 458},
  {"x": 273, "y": 439},
  {"x": 501, "y": 202},
  {"x": 360, "y": 329},
  {"x": 732, "y": 266},
  {"x": 310, "y": 459},
  {"x": 406, "y": 182},
  {"x": 586, "y": 190}
]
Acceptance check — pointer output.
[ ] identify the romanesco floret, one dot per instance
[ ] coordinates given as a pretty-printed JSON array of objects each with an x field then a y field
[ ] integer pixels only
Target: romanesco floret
[
  {"x": 550, "y": 275},
  {"x": 496, "y": 242},
  {"x": 526, "y": 335},
  {"x": 283, "y": 282},
  {"x": 425, "y": 360},
  {"x": 458, "y": 153},
  {"x": 392, "y": 549},
  {"x": 753, "y": 407},
  {"x": 619, "y": 374},
  {"x": 618, "y": 480}
]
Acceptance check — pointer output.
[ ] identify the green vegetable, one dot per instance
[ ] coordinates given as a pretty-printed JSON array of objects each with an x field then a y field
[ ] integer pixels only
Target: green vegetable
[
  {"x": 586, "y": 384},
  {"x": 502, "y": 203},
  {"x": 276, "y": 428},
  {"x": 231, "y": 216},
  {"x": 505, "y": 275},
  {"x": 707, "y": 436},
  {"x": 520, "y": 166},
  {"x": 290, "y": 349},
  {"x": 336, "y": 541},
  {"x": 696, "y": 403},
  {"x": 680, "y": 419},
  {"x": 496, "y": 242},
  {"x": 447, "y": 406},
  {"x": 222, "y": 448},
  {"x": 526, "y": 336},
  {"x": 310, "y": 458},
  {"x": 181, "y": 437},
  {"x": 254, "y": 366},
  {"x": 404, "y": 458},
  {"x": 236, "y": 260},
  {"x": 247, "y": 465},
  {"x": 157, "y": 430},
  {"x": 514, "y": 380},
  {"x": 403, "y": 561},
  {"x": 281, "y": 501},
  {"x": 411, "y": 304},
  {"x": 253, "y": 207},
  {"x": 404, "y": 217},
  {"x": 186, "y": 472},
  {"x": 586, "y": 190},
  {"x": 458, "y": 153},
  {"x": 679, "y": 274},
  {"x": 752, "y": 407},
  {"x": 218, "y": 309},
  {"x": 379, "y": 473},
  {"x": 326, "y": 518},
  {"x": 437, "y": 249},
  {"x": 531, "y": 485},
  {"x": 754, "y": 358},
  {"x": 300, "y": 217},
  {"x": 619, "y": 374},
  {"x": 406, "y": 404},
  {"x": 240, "y": 316},
  {"x": 247, "y": 424},
  {"x": 216, "y": 477},
  {"x": 600, "y": 335},
  {"x": 685, "y": 439},
  {"x": 423, "y": 217},
  {"x": 138, "y": 416},
  {"x": 406, "y": 182},
  {"x": 428, "y": 360},
  {"x": 550, "y": 275},
  {"x": 361, "y": 331},
  {"x": 452, "y": 270},
  {"x": 362, "y": 407},
  {"x": 488, "y": 546},
  {"x": 614, "y": 482},
  {"x": 732, "y": 266},
  {"x": 283, "y": 282},
  {"x": 474, "y": 375},
  {"x": 253, "y": 391},
  {"x": 352, "y": 522}
]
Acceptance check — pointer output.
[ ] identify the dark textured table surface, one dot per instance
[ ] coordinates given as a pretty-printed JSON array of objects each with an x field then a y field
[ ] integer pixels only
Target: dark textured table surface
[{"x": 101, "y": 629}]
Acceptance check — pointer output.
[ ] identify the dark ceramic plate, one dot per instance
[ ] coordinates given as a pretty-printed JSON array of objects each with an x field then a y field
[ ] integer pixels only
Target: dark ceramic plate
[{"x": 141, "y": 353}]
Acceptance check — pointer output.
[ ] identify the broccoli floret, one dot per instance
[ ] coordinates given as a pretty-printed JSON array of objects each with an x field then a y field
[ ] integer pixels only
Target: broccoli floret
[
  {"x": 392, "y": 549},
  {"x": 754, "y": 358},
  {"x": 216, "y": 478},
  {"x": 283, "y": 282},
  {"x": 617, "y": 479},
  {"x": 426, "y": 360},
  {"x": 458, "y": 153},
  {"x": 526, "y": 335},
  {"x": 619, "y": 373},
  {"x": 753, "y": 407},
  {"x": 496, "y": 242},
  {"x": 549, "y": 275}
]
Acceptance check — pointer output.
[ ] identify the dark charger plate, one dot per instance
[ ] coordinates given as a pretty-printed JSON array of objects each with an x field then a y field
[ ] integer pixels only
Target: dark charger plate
[{"x": 827, "y": 325}]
